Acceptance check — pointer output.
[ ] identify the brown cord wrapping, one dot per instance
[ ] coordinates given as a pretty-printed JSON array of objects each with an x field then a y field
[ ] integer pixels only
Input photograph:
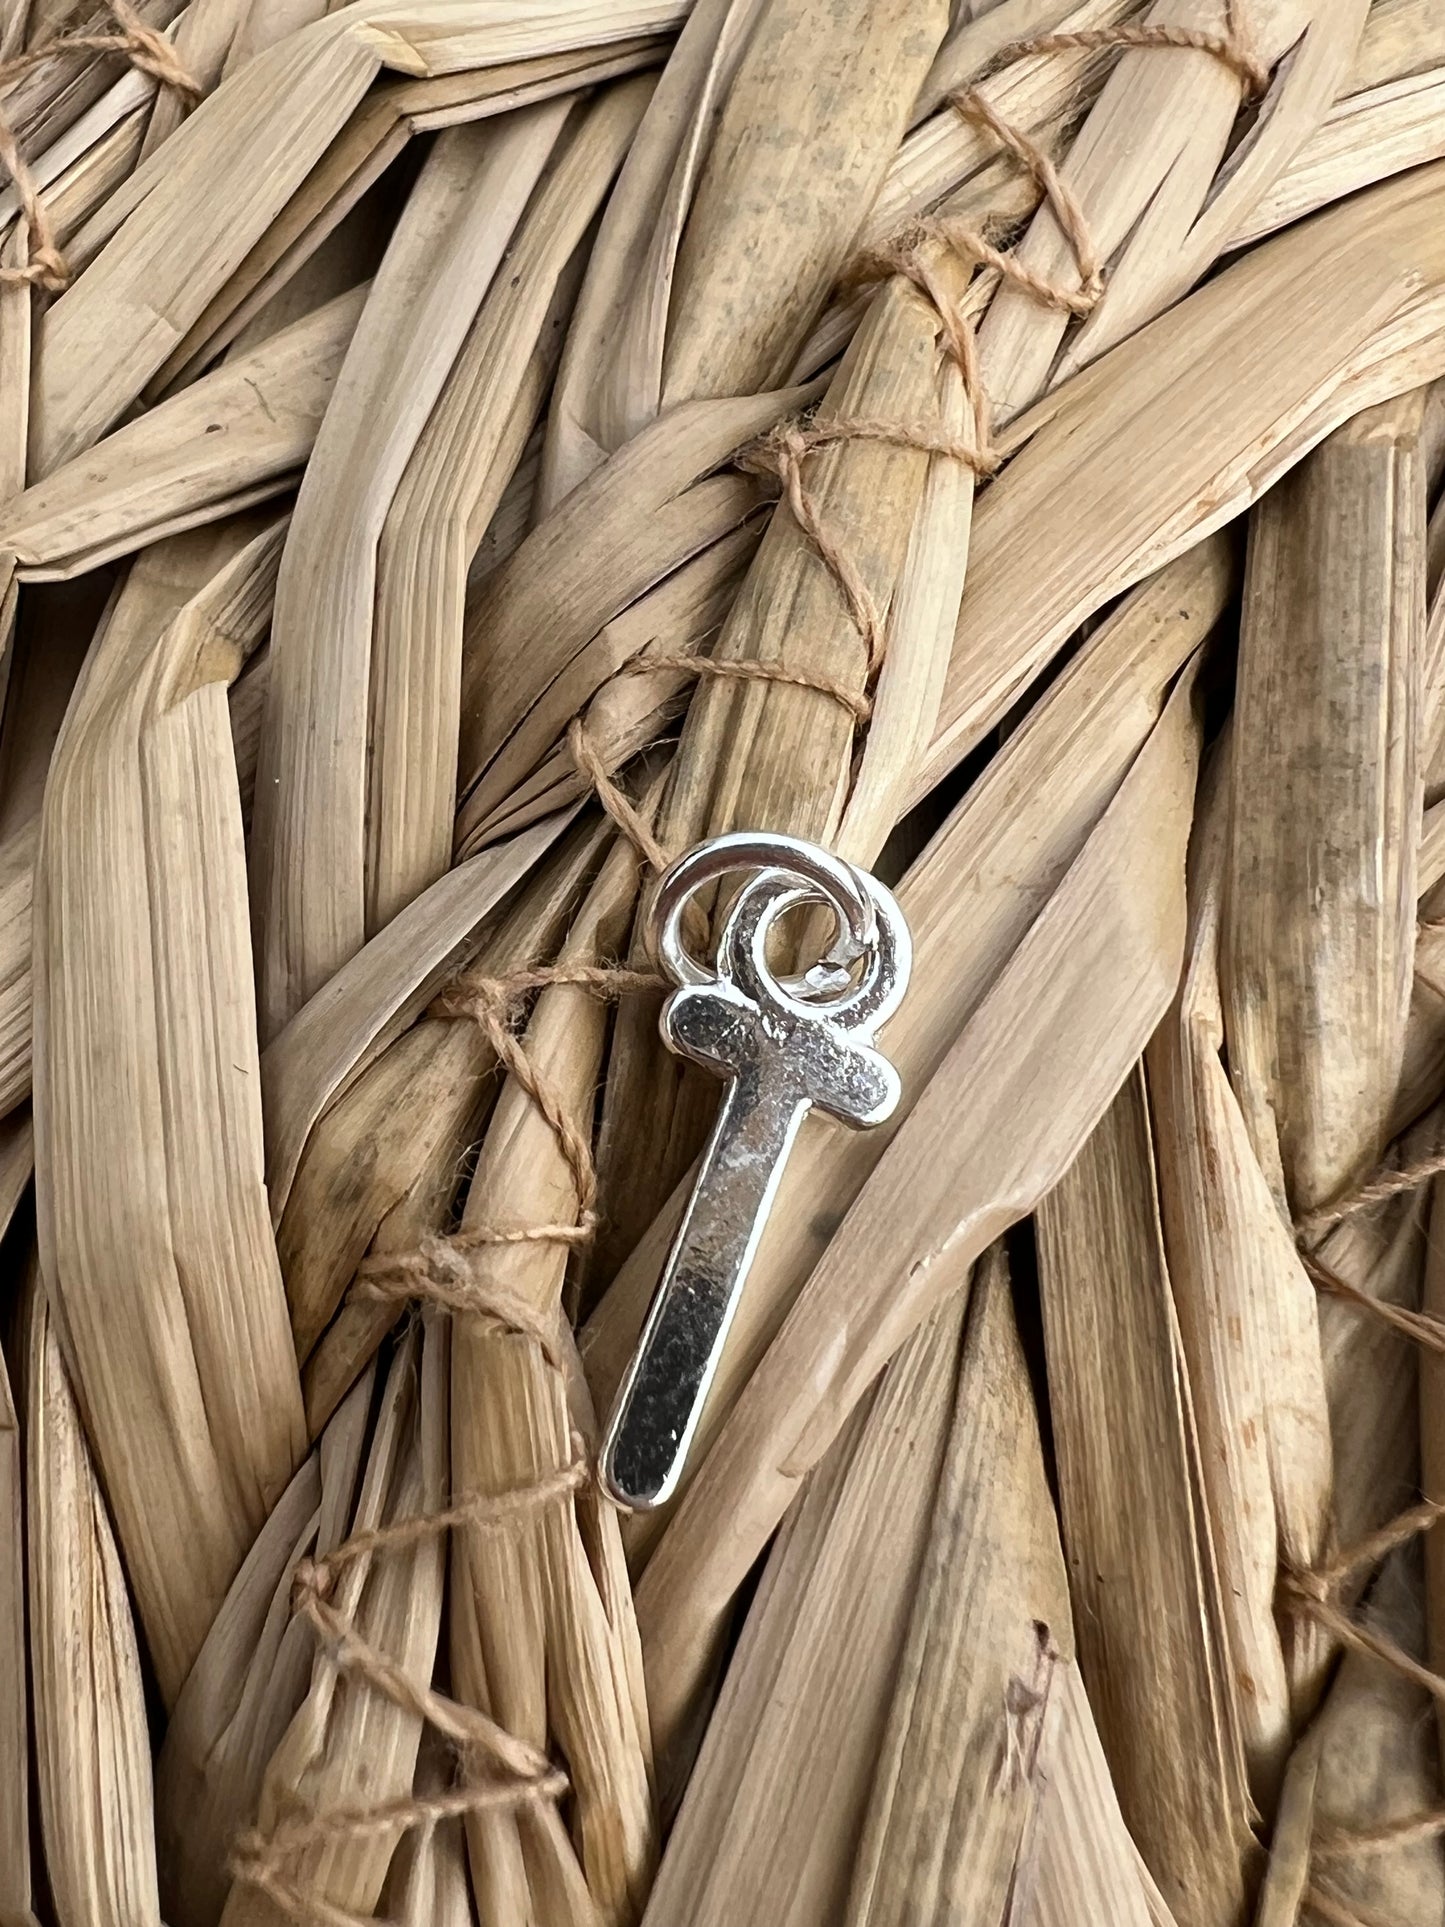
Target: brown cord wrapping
[
  {"x": 1339, "y": 1912},
  {"x": 905, "y": 252},
  {"x": 490, "y": 1511},
  {"x": 1418, "y": 1326},
  {"x": 442, "y": 1272},
  {"x": 1061, "y": 199},
  {"x": 859, "y": 707},
  {"x": 145, "y": 48},
  {"x": 786, "y": 450},
  {"x": 1352, "y": 1632},
  {"x": 592, "y": 767},
  {"x": 45, "y": 267},
  {"x": 260, "y": 1858},
  {"x": 255, "y": 1858},
  {"x": 492, "y": 1003},
  {"x": 1315, "y": 1592},
  {"x": 463, "y": 1725},
  {"x": 909, "y": 253},
  {"x": 1322, "y": 1582},
  {"x": 1231, "y": 49},
  {"x": 1386, "y": 1182}
]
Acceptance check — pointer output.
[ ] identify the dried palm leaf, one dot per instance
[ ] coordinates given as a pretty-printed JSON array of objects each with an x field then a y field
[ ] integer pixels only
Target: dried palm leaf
[
  {"x": 452, "y": 484},
  {"x": 144, "y": 1011},
  {"x": 287, "y": 258},
  {"x": 54, "y": 633},
  {"x": 1010, "y": 1745},
  {"x": 689, "y": 292},
  {"x": 250, "y": 1676},
  {"x": 88, "y": 161},
  {"x": 308, "y": 842},
  {"x": 382, "y": 1168},
  {"x": 634, "y": 521},
  {"x": 41, "y": 103},
  {"x": 930, "y": 1846},
  {"x": 1319, "y": 938},
  {"x": 629, "y": 711},
  {"x": 1432, "y": 1449},
  {"x": 1372, "y": 1371},
  {"x": 17, "y": 893},
  {"x": 1142, "y": 1572},
  {"x": 1159, "y": 210},
  {"x": 1187, "y": 423},
  {"x": 92, "y": 1748},
  {"x": 1385, "y": 117},
  {"x": 427, "y": 1885},
  {"x": 1366, "y": 1770},
  {"x": 1250, "y": 1341},
  {"x": 780, "y": 1791},
  {"x": 230, "y": 440},
  {"x": 380, "y": 994}
]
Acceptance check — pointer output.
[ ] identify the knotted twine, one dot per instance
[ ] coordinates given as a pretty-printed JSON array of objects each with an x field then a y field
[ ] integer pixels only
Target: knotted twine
[
  {"x": 146, "y": 49},
  {"x": 1317, "y": 1592},
  {"x": 912, "y": 252}
]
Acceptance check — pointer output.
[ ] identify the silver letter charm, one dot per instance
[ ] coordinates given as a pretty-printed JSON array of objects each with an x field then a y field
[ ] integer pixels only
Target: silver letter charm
[{"x": 785, "y": 1046}]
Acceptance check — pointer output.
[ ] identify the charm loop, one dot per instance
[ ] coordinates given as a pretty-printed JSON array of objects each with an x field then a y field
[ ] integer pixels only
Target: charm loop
[{"x": 843, "y": 888}]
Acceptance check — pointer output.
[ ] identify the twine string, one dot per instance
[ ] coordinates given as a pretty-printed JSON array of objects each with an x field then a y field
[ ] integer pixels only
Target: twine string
[
  {"x": 1315, "y": 1591},
  {"x": 592, "y": 768},
  {"x": 907, "y": 251},
  {"x": 744, "y": 669},
  {"x": 1232, "y": 49},
  {"x": 1389, "y": 1180},
  {"x": 1338, "y": 1843},
  {"x": 912, "y": 252},
  {"x": 1418, "y": 1326},
  {"x": 254, "y": 1857},
  {"x": 153, "y": 54},
  {"x": 443, "y": 1272},
  {"x": 1334, "y": 1909},
  {"x": 499, "y": 1769}
]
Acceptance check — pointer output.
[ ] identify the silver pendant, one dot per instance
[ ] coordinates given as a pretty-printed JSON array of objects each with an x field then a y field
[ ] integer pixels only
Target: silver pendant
[{"x": 785, "y": 1046}]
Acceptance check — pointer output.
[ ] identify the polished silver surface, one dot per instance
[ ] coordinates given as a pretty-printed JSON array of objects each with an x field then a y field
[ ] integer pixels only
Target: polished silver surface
[{"x": 785, "y": 1046}]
